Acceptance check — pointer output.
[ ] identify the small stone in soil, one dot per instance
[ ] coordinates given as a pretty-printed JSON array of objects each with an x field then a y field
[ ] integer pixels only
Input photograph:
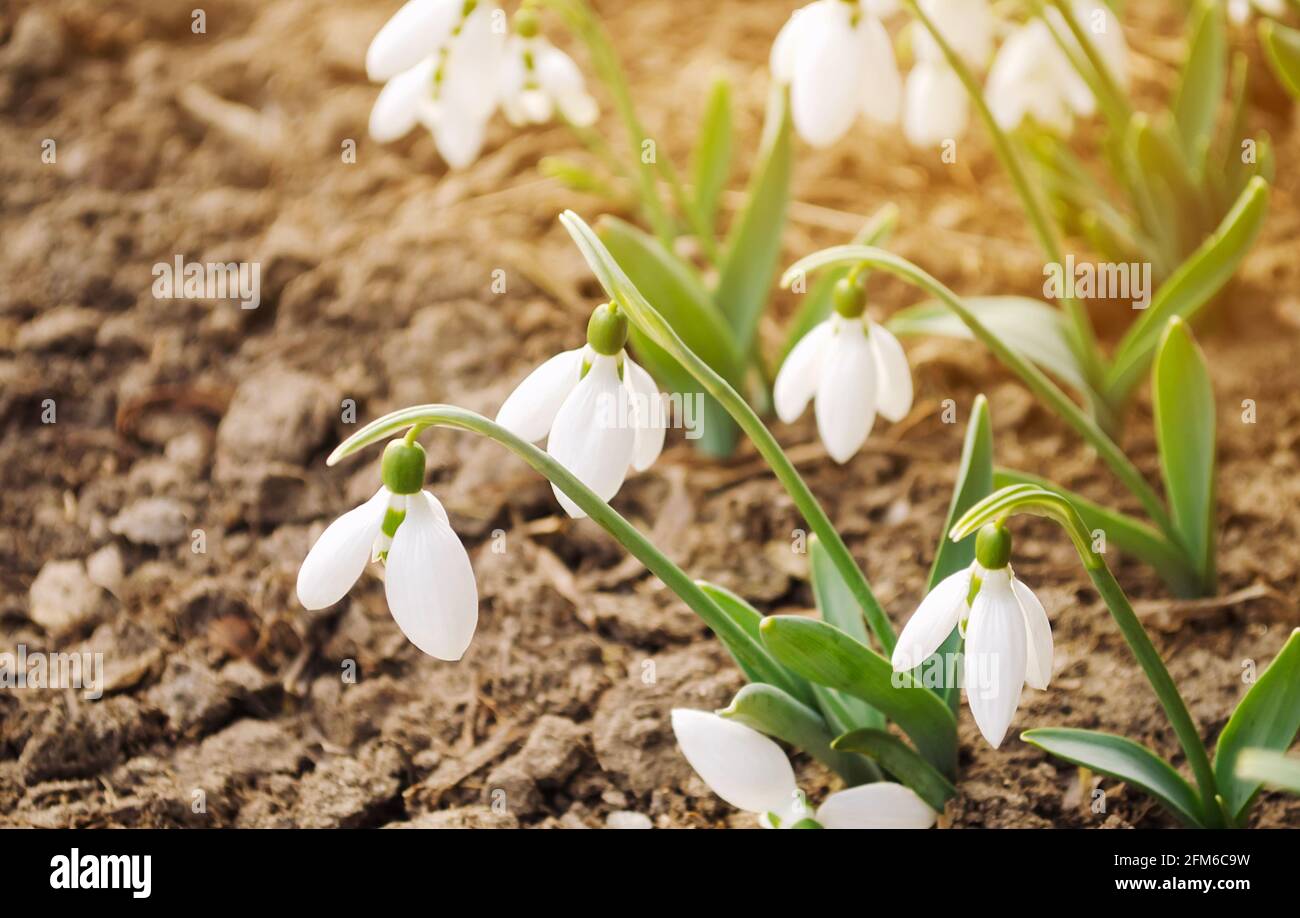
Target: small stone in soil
[
  {"x": 157, "y": 521},
  {"x": 63, "y": 597}
]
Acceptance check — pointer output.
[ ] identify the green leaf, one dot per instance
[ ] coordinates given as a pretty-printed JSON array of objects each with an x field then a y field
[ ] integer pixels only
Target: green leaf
[
  {"x": 1123, "y": 760},
  {"x": 1190, "y": 287},
  {"x": 823, "y": 654},
  {"x": 754, "y": 244},
  {"x": 838, "y": 607},
  {"x": 1185, "y": 423},
  {"x": 817, "y": 302},
  {"x": 1200, "y": 89},
  {"x": 1267, "y": 718},
  {"x": 1282, "y": 45},
  {"x": 711, "y": 159},
  {"x": 974, "y": 483},
  {"x": 1123, "y": 531},
  {"x": 1032, "y": 327},
  {"x": 775, "y": 713},
  {"x": 683, "y": 301},
  {"x": 1275, "y": 769},
  {"x": 749, "y": 619},
  {"x": 901, "y": 761}
]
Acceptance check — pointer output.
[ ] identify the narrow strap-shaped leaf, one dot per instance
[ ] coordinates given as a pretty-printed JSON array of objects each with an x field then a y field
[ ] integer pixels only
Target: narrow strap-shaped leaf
[
  {"x": 770, "y": 710},
  {"x": 901, "y": 761},
  {"x": 1185, "y": 424},
  {"x": 711, "y": 158},
  {"x": 825, "y": 655},
  {"x": 816, "y": 306},
  {"x": 754, "y": 244},
  {"x": 687, "y": 306},
  {"x": 1123, "y": 760},
  {"x": 1200, "y": 88},
  {"x": 837, "y": 606},
  {"x": 974, "y": 483},
  {"x": 1276, "y": 769},
  {"x": 1190, "y": 287},
  {"x": 749, "y": 618},
  {"x": 1033, "y": 328},
  {"x": 1123, "y": 531},
  {"x": 1282, "y": 45},
  {"x": 1267, "y": 718}
]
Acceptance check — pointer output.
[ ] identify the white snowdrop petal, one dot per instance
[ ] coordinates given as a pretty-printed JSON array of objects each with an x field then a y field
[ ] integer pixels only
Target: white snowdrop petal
[
  {"x": 881, "y": 87},
  {"x": 1038, "y": 633},
  {"x": 459, "y": 139},
  {"x": 469, "y": 83},
  {"x": 594, "y": 434},
  {"x": 932, "y": 621},
  {"x": 893, "y": 374},
  {"x": 967, "y": 26},
  {"x": 429, "y": 582},
  {"x": 846, "y": 392},
  {"x": 341, "y": 553},
  {"x": 530, "y": 410},
  {"x": 563, "y": 81},
  {"x": 936, "y": 109},
  {"x": 739, "y": 764},
  {"x": 415, "y": 32},
  {"x": 785, "y": 48},
  {"x": 651, "y": 414},
  {"x": 995, "y": 656},
  {"x": 881, "y": 805},
  {"x": 825, "y": 90},
  {"x": 797, "y": 380},
  {"x": 396, "y": 109}
]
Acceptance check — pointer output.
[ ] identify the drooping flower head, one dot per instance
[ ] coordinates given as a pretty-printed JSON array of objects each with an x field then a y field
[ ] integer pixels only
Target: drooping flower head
[
  {"x": 749, "y": 771},
  {"x": 439, "y": 61},
  {"x": 537, "y": 79},
  {"x": 852, "y": 368},
  {"x": 837, "y": 59},
  {"x": 1008, "y": 636},
  {"x": 936, "y": 107},
  {"x": 428, "y": 580},
  {"x": 601, "y": 413}
]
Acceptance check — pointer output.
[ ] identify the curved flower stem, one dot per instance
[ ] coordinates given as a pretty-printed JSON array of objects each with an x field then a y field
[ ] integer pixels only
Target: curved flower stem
[
  {"x": 1042, "y": 502},
  {"x": 587, "y": 27},
  {"x": 1084, "y": 338},
  {"x": 748, "y": 652},
  {"x": 1037, "y": 381},
  {"x": 1092, "y": 69},
  {"x": 656, "y": 327}
]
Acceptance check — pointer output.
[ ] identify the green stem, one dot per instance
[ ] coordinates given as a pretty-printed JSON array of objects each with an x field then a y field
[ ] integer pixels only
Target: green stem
[
  {"x": 1037, "y": 381},
  {"x": 1162, "y": 683},
  {"x": 747, "y": 651},
  {"x": 649, "y": 321},
  {"x": 587, "y": 27},
  {"x": 1093, "y": 68},
  {"x": 1084, "y": 338}
]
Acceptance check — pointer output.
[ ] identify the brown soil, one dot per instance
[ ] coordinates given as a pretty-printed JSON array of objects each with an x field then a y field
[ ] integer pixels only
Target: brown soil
[{"x": 180, "y": 420}]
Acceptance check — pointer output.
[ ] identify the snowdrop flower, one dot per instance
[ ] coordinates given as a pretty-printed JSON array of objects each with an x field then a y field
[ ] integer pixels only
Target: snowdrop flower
[
  {"x": 935, "y": 105},
  {"x": 852, "y": 367},
  {"x": 1008, "y": 636},
  {"x": 1032, "y": 77},
  {"x": 1239, "y": 10},
  {"x": 837, "y": 59},
  {"x": 749, "y": 771},
  {"x": 439, "y": 62},
  {"x": 537, "y": 78},
  {"x": 603, "y": 413},
  {"x": 428, "y": 579}
]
